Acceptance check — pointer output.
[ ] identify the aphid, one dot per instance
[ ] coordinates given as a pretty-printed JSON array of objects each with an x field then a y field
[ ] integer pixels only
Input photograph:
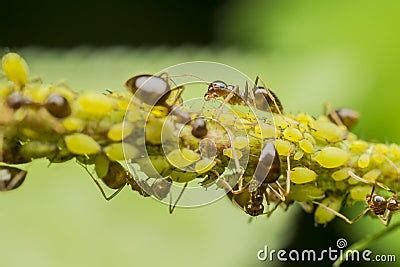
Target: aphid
[
  {"x": 58, "y": 106},
  {"x": 264, "y": 99},
  {"x": 344, "y": 116},
  {"x": 380, "y": 206},
  {"x": 155, "y": 90},
  {"x": 11, "y": 178}
]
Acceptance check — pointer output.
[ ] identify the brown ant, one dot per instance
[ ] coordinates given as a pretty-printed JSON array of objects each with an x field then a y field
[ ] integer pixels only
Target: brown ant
[
  {"x": 155, "y": 90},
  {"x": 380, "y": 206},
  {"x": 263, "y": 98},
  {"x": 342, "y": 116},
  {"x": 267, "y": 173}
]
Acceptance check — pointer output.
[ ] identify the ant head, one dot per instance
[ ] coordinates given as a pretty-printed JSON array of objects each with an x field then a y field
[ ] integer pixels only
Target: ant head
[
  {"x": 378, "y": 200},
  {"x": 377, "y": 204},
  {"x": 217, "y": 85}
]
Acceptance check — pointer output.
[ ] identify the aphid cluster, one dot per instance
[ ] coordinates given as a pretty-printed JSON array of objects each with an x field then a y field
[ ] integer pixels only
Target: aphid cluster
[{"x": 316, "y": 162}]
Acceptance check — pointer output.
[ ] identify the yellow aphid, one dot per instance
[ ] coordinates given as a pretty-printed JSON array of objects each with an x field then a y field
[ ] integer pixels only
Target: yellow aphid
[
  {"x": 101, "y": 165},
  {"x": 120, "y": 131},
  {"x": 204, "y": 165},
  {"x": 395, "y": 151},
  {"x": 378, "y": 158},
  {"x": 38, "y": 94},
  {"x": 298, "y": 155},
  {"x": 154, "y": 166},
  {"x": 351, "y": 136},
  {"x": 306, "y": 146},
  {"x": 305, "y": 192},
  {"x": 324, "y": 216},
  {"x": 81, "y": 144},
  {"x": 240, "y": 142},
  {"x": 182, "y": 177},
  {"x": 332, "y": 157},
  {"x": 73, "y": 124},
  {"x": 310, "y": 138},
  {"x": 121, "y": 151},
  {"x": 264, "y": 130},
  {"x": 283, "y": 147},
  {"x": 381, "y": 149},
  {"x": 95, "y": 104},
  {"x": 363, "y": 161},
  {"x": 301, "y": 175},
  {"x": 292, "y": 134},
  {"x": 327, "y": 131},
  {"x": 304, "y": 118},
  {"x": 341, "y": 174},
  {"x": 159, "y": 111},
  {"x": 359, "y": 193},
  {"x": 227, "y": 119},
  {"x": 182, "y": 158},
  {"x": 243, "y": 124},
  {"x": 372, "y": 175},
  {"x": 158, "y": 130},
  {"x": 358, "y": 146},
  {"x": 134, "y": 115},
  {"x": 352, "y": 181},
  {"x": 229, "y": 152},
  {"x": 15, "y": 68},
  {"x": 279, "y": 121}
]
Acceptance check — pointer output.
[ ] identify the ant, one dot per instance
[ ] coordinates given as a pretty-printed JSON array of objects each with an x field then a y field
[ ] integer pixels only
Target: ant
[
  {"x": 267, "y": 173},
  {"x": 342, "y": 116},
  {"x": 380, "y": 206},
  {"x": 263, "y": 98},
  {"x": 155, "y": 90}
]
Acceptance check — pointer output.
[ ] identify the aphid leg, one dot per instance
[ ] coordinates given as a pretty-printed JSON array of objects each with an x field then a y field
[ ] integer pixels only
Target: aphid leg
[
  {"x": 381, "y": 185},
  {"x": 341, "y": 216},
  {"x": 101, "y": 188},
  {"x": 288, "y": 175},
  {"x": 172, "y": 208}
]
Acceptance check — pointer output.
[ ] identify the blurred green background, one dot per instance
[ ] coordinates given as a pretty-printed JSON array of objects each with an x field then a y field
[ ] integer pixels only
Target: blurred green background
[{"x": 310, "y": 52}]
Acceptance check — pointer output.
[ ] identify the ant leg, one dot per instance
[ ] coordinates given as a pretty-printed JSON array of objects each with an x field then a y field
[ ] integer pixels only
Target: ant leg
[
  {"x": 226, "y": 101},
  {"x": 266, "y": 196},
  {"x": 103, "y": 193},
  {"x": 271, "y": 96},
  {"x": 341, "y": 216},
  {"x": 172, "y": 208},
  {"x": 381, "y": 185},
  {"x": 278, "y": 194},
  {"x": 333, "y": 114}
]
